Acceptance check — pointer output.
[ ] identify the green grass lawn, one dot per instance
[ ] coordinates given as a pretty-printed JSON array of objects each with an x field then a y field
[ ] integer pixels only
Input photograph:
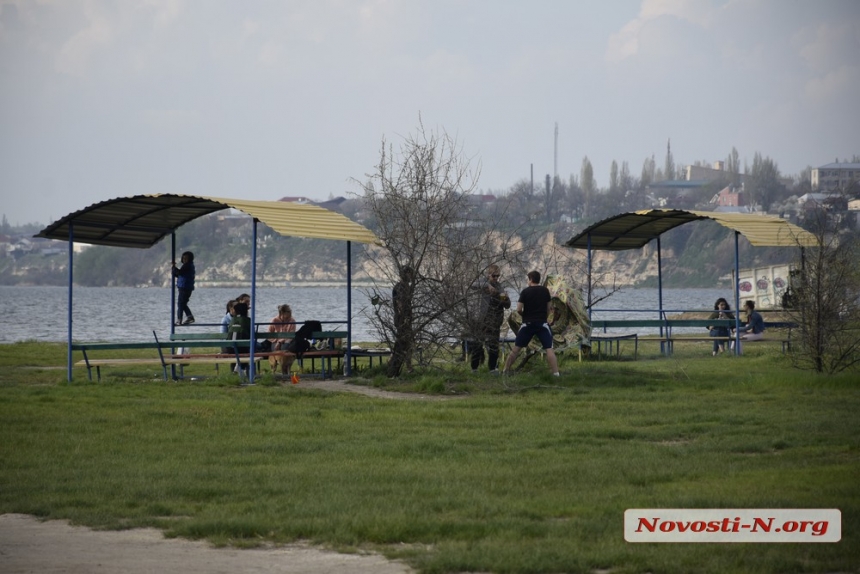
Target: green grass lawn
[{"x": 522, "y": 474}]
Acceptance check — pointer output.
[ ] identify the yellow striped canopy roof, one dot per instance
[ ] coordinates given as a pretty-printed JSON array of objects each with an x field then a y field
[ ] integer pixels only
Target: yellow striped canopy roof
[
  {"x": 635, "y": 229},
  {"x": 143, "y": 220}
]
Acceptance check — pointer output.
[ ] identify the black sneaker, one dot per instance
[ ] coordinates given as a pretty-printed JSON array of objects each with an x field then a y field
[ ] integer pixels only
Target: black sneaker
[{"x": 188, "y": 321}]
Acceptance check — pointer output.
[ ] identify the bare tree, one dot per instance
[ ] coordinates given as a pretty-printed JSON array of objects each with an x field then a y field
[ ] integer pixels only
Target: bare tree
[
  {"x": 824, "y": 298},
  {"x": 436, "y": 240}
]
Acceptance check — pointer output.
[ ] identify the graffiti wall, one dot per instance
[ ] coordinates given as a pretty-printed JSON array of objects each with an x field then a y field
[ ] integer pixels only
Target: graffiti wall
[{"x": 765, "y": 286}]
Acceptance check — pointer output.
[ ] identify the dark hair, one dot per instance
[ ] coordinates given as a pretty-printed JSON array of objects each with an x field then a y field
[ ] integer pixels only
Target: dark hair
[
  {"x": 189, "y": 255},
  {"x": 230, "y": 304},
  {"x": 285, "y": 310},
  {"x": 241, "y": 309},
  {"x": 534, "y": 277},
  {"x": 721, "y": 300},
  {"x": 750, "y": 304}
]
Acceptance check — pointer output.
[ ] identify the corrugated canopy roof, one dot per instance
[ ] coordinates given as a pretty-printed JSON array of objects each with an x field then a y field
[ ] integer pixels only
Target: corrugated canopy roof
[
  {"x": 143, "y": 220},
  {"x": 634, "y": 230}
]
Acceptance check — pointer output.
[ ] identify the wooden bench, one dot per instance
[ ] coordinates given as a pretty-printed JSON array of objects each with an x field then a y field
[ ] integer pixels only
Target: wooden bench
[
  {"x": 615, "y": 341},
  {"x": 667, "y": 337},
  {"x": 370, "y": 354},
  {"x": 97, "y": 363},
  {"x": 160, "y": 358},
  {"x": 167, "y": 355},
  {"x": 330, "y": 345},
  {"x": 180, "y": 345},
  {"x": 784, "y": 340},
  {"x": 672, "y": 337},
  {"x": 773, "y": 325},
  {"x": 328, "y": 350}
]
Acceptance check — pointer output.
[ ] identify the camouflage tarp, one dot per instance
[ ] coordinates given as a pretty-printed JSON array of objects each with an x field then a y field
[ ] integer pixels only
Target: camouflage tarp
[{"x": 571, "y": 328}]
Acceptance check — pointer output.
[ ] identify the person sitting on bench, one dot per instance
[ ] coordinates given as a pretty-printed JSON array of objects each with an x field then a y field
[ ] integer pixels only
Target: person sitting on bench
[
  {"x": 754, "y": 329},
  {"x": 721, "y": 311},
  {"x": 283, "y": 323},
  {"x": 240, "y": 328}
]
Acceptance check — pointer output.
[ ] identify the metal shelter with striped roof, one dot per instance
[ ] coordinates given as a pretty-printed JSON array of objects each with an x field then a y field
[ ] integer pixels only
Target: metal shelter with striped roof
[
  {"x": 636, "y": 229},
  {"x": 141, "y": 221}
]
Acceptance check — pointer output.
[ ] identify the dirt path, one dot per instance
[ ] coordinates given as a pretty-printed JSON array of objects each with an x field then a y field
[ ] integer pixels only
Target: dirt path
[
  {"x": 340, "y": 386},
  {"x": 28, "y": 545}
]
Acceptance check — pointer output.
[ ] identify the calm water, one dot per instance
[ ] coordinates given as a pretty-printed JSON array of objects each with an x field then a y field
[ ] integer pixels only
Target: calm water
[{"x": 127, "y": 313}]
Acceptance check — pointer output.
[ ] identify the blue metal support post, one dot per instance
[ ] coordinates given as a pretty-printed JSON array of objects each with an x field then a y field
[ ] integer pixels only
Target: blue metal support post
[
  {"x": 251, "y": 365},
  {"x": 71, "y": 282},
  {"x": 172, "y": 294},
  {"x": 737, "y": 296},
  {"x": 663, "y": 346},
  {"x": 348, "y": 356},
  {"x": 589, "y": 277}
]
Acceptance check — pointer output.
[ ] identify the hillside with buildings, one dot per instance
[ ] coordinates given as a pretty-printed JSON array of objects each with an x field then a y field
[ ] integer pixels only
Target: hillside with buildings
[{"x": 692, "y": 255}]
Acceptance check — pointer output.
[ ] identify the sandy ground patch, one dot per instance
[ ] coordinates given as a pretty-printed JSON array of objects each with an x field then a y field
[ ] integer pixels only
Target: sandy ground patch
[{"x": 28, "y": 545}]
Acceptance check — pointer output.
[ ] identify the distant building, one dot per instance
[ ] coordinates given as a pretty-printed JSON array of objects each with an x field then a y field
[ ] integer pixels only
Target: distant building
[
  {"x": 481, "y": 198},
  {"x": 812, "y": 200},
  {"x": 675, "y": 193},
  {"x": 296, "y": 199},
  {"x": 333, "y": 204},
  {"x": 730, "y": 197},
  {"x": 716, "y": 173},
  {"x": 854, "y": 208},
  {"x": 835, "y": 176},
  {"x": 678, "y": 185}
]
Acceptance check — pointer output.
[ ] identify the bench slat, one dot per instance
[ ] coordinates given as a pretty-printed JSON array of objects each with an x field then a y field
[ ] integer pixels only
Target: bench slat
[
  {"x": 119, "y": 362},
  {"x": 196, "y": 336}
]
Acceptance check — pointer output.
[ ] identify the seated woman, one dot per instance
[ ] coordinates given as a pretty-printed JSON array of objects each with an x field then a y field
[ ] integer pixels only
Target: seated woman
[
  {"x": 240, "y": 328},
  {"x": 225, "y": 324},
  {"x": 721, "y": 311},
  {"x": 283, "y": 323},
  {"x": 754, "y": 328}
]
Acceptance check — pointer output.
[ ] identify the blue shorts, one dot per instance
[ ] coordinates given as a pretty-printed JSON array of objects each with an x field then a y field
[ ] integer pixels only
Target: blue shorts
[{"x": 529, "y": 330}]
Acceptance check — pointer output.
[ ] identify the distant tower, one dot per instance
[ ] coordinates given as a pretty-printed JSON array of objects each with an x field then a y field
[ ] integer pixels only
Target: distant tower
[
  {"x": 555, "y": 157},
  {"x": 532, "y": 181}
]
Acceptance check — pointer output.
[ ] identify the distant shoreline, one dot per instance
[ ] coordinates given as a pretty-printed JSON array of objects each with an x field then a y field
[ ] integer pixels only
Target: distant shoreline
[{"x": 219, "y": 285}]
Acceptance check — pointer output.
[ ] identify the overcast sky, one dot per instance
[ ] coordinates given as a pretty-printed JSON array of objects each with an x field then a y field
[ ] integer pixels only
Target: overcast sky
[{"x": 266, "y": 99}]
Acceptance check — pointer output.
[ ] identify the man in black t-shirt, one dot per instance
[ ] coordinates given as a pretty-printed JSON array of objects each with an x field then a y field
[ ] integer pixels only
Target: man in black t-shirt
[{"x": 534, "y": 306}]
